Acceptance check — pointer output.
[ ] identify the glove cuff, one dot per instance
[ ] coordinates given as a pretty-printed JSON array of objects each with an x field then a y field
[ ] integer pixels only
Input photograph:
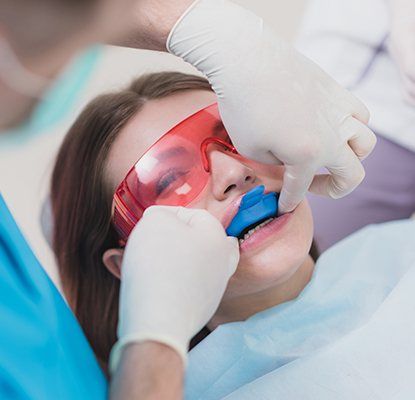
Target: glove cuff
[
  {"x": 117, "y": 349},
  {"x": 178, "y": 22}
]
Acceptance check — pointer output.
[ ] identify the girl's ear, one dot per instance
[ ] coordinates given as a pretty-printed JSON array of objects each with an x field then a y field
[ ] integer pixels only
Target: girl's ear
[{"x": 112, "y": 259}]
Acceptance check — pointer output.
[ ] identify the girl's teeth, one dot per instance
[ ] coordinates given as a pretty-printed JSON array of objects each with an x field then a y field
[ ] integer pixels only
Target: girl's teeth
[{"x": 251, "y": 231}]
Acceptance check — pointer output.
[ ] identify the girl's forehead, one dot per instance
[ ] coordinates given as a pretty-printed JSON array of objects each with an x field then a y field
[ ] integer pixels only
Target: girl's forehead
[{"x": 150, "y": 123}]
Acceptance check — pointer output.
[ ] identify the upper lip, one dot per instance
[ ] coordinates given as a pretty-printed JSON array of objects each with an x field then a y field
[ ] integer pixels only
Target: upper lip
[{"x": 231, "y": 211}]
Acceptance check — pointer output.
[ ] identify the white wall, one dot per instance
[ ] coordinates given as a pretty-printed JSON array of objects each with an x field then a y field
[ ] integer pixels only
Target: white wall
[{"x": 25, "y": 172}]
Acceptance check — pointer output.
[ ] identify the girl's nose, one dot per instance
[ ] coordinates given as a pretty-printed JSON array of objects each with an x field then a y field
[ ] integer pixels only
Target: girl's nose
[{"x": 229, "y": 175}]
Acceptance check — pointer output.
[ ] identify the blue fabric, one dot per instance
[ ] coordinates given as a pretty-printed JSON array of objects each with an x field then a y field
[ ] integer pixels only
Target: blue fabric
[
  {"x": 43, "y": 352},
  {"x": 349, "y": 335},
  {"x": 58, "y": 101}
]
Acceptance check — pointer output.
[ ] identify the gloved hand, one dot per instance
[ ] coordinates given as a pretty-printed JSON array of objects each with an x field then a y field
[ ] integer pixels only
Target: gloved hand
[
  {"x": 176, "y": 267},
  {"x": 402, "y": 43},
  {"x": 277, "y": 105}
]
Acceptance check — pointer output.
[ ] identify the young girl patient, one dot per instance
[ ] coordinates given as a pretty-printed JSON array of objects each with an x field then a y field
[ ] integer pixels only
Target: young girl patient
[
  {"x": 282, "y": 318},
  {"x": 106, "y": 140}
]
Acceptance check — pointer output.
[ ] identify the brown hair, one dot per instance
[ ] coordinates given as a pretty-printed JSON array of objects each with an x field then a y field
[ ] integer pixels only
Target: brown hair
[{"x": 81, "y": 202}]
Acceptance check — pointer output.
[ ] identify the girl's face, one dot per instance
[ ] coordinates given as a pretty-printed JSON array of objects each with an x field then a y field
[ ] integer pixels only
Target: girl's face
[{"x": 273, "y": 253}]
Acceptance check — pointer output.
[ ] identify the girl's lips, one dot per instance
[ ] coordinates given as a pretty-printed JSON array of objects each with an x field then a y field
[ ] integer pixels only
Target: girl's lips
[{"x": 259, "y": 237}]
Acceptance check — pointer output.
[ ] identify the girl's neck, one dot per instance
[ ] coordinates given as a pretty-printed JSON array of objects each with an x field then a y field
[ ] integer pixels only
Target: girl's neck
[{"x": 241, "y": 308}]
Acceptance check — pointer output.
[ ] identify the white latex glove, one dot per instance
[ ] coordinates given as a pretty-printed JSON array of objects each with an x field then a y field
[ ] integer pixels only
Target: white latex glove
[
  {"x": 402, "y": 43},
  {"x": 277, "y": 105},
  {"x": 176, "y": 267}
]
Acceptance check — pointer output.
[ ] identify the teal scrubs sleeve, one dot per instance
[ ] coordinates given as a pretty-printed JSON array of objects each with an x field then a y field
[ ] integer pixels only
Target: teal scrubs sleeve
[{"x": 43, "y": 351}]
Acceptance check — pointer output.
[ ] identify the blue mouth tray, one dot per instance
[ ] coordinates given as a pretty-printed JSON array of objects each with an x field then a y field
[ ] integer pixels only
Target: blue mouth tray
[{"x": 255, "y": 206}]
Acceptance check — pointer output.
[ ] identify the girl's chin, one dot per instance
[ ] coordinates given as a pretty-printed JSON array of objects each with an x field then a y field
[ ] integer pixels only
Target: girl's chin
[
  {"x": 266, "y": 270},
  {"x": 272, "y": 263}
]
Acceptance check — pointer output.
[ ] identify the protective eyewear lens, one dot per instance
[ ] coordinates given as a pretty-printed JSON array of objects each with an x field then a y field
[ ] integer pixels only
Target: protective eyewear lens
[{"x": 173, "y": 172}]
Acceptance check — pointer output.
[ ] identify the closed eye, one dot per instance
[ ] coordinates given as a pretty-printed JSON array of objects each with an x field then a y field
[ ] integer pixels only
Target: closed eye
[{"x": 168, "y": 179}]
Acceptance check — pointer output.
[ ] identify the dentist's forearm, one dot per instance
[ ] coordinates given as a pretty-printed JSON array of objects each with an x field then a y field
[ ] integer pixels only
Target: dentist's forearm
[
  {"x": 151, "y": 23},
  {"x": 148, "y": 371}
]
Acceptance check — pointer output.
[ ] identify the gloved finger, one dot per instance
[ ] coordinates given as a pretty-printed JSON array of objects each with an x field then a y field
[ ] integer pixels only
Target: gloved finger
[
  {"x": 409, "y": 89},
  {"x": 358, "y": 109},
  {"x": 162, "y": 212},
  {"x": 193, "y": 217},
  {"x": 187, "y": 215},
  {"x": 405, "y": 57},
  {"x": 345, "y": 176},
  {"x": 234, "y": 254},
  {"x": 409, "y": 99},
  {"x": 359, "y": 137},
  {"x": 170, "y": 218},
  {"x": 199, "y": 218},
  {"x": 410, "y": 73},
  {"x": 297, "y": 180}
]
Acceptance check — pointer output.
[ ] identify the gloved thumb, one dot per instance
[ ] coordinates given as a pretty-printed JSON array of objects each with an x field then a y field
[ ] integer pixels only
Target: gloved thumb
[
  {"x": 182, "y": 214},
  {"x": 199, "y": 218},
  {"x": 297, "y": 180},
  {"x": 234, "y": 254}
]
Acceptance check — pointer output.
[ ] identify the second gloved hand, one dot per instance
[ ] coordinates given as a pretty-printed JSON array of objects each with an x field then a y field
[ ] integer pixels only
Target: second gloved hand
[
  {"x": 277, "y": 105},
  {"x": 176, "y": 267}
]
